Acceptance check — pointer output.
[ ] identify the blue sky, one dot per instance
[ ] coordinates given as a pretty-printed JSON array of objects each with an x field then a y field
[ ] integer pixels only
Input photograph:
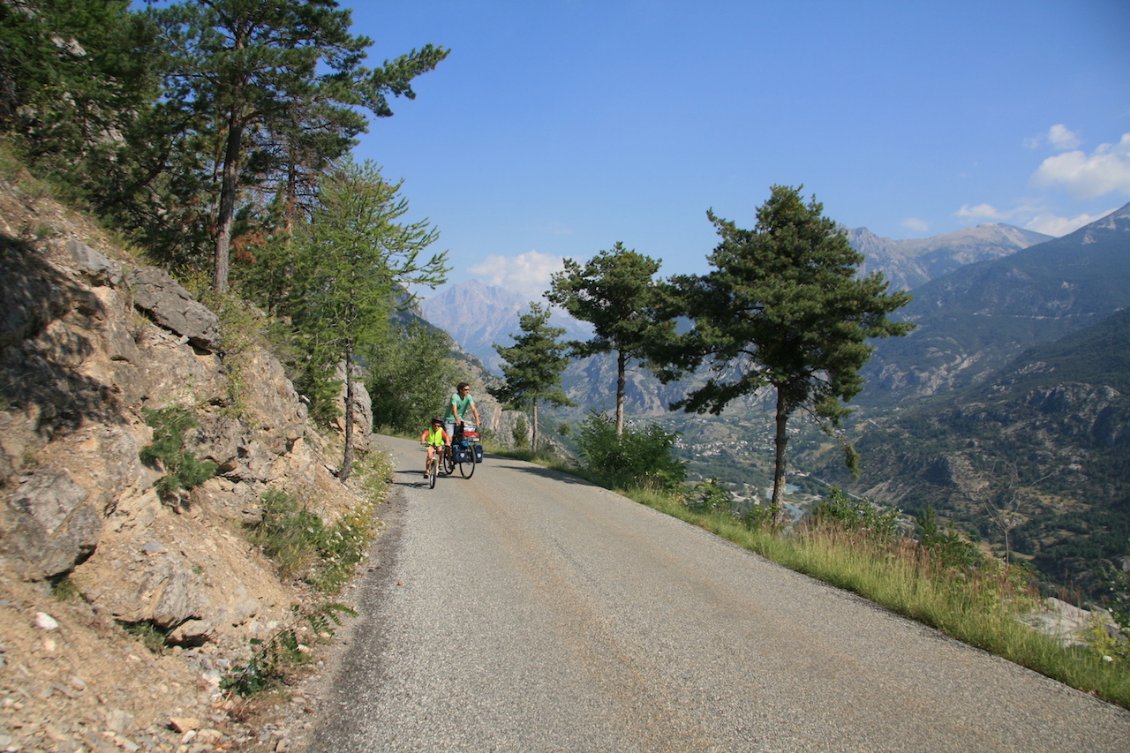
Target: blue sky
[{"x": 556, "y": 128}]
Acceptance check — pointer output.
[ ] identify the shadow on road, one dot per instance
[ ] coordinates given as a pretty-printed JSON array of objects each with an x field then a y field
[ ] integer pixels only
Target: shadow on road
[{"x": 537, "y": 470}]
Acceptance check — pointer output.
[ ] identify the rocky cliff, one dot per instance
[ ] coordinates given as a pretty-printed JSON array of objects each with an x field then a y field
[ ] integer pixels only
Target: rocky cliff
[{"x": 90, "y": 339}]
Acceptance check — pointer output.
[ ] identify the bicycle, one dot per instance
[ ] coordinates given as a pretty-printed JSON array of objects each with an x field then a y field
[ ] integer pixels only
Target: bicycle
[
  {"x": 433, "y": 466},
  {"x": 462, "y": 452}
]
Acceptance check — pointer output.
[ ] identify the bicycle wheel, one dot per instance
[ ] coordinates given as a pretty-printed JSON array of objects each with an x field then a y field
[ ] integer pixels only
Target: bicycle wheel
[
  {"x": 448, "y": 462},
  {"x": 434, "y": 465},
  {"x": 467, "y": 467}
]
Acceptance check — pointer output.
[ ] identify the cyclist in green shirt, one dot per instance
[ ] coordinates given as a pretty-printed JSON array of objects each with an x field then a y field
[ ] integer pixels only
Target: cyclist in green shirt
[{"x": 457, "y": 408}]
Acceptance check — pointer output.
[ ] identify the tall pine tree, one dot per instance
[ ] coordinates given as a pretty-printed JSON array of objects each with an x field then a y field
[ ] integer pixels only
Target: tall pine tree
[
  {"x": 533, "y": 367},
  {"x": 784, "y": 307},
  {"x": 615, "y": 292},
  {"x": 282, "y": 76}
]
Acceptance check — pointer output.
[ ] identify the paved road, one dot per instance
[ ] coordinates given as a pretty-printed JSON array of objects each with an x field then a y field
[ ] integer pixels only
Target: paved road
[{"x": 522, "y": 611}]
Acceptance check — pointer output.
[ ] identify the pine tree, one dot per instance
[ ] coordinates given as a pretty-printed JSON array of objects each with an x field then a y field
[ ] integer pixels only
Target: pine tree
[
  {"x": 281, "y": 84},
  {"x": 354, "y": 257},
  {"x": 616, "y": 293},
  {"x": 533, "y": 367},
  {"x": 783, "y": 307},
  {"x": 73, "y": 76}
]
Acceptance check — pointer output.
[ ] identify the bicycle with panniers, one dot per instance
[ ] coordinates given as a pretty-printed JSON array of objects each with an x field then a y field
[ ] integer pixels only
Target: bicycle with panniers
[{"x": 466, "y": 450}]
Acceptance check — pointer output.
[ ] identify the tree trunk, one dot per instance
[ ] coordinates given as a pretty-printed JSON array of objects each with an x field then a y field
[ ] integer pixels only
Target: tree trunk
[
  {"x": 290, "y": 205},
  {"x": 780, "y": 441},
  {"x": 347, "y": 459},
  {"x": 621, "y": 368},
  {"x": 228, "y": 188},
  {"x": 534, "y": 422}
]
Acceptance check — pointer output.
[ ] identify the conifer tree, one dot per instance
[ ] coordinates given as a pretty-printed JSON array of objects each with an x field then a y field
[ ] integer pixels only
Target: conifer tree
[
  {"x": 615, "y": 292},
  {"x": 533, "y": 367},
  {"x": 409, "y": 374},
  {"x": 355, "y": 256},
  {"x": 284, "y": 76},
  {"x": 784, "y": 307},
  {"x": 73, "y": 76}
]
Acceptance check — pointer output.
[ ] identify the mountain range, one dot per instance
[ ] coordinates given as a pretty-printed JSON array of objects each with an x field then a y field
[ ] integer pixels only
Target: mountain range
[
  {"x": 477, "y": 315},
  {"x": 979, "y": 317},
  {"x": 910, "y": 263}
]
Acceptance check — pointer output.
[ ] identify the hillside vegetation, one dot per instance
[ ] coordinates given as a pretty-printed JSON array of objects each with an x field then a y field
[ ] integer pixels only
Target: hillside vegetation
[{"x": 1036, "y": 462}]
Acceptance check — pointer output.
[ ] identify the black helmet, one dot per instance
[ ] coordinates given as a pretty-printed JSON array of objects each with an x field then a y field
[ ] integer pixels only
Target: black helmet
[{"x": 437, "y": 420}]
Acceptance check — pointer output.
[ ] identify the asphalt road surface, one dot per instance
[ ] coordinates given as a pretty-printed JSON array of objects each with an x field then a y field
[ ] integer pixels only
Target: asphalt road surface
[{"x": 521, "y": 610}]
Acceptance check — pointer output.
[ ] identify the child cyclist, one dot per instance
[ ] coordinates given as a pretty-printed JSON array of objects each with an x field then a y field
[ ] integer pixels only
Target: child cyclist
[{"x": 435, "y": 438}]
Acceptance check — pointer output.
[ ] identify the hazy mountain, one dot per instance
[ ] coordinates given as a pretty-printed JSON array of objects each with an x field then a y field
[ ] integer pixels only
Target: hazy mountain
[
  {"x": 477, "y": 316},
  {"x": 974, "y": 320},
  {"x": 910, "y": 263}
]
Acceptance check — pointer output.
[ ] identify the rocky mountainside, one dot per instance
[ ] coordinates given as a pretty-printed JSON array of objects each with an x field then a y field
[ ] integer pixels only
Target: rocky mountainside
[
  {"x": 975, "y": 320},
  {"x": 1040, "y": 451},
  {"x": 91, "y": 555},
  {"x": 907, "y": 264}
]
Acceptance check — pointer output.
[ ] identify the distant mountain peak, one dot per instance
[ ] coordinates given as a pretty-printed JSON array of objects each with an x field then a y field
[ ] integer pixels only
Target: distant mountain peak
[
  {"x": 910, "y": 263},
  {"x": 1116, "y": 220},
  {"x": 478, "y": 315}
]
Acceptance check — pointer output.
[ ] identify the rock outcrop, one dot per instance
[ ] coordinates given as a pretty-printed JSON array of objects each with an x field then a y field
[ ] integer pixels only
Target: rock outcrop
[{"x": 89, "y": 340}]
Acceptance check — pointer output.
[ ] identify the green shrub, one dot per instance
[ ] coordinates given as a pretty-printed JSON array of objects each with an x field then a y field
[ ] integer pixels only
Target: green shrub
[
  {"x": 182, "y": 469},
  {"x": 287, "y": 533},
  {"x": 299, "y": 542},
  {"x": 241, "y": 334},
  {"x": 521, "y": 433},
  {"x": 759, "y": 518},
  {"x": 151, "y": 636},
  {"x": 859, "y": 515},
  {"x": 946, "y": 547},
  {"x": 64, "y": 589},
  {"x": 271, "y": 659},
  {"x": 640, "y": 458},
  {"x": 710, "y": 497}
]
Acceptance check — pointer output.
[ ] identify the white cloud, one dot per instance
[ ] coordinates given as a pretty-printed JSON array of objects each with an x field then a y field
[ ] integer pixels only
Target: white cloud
[
  {"x": 1058, "y": 137},
  {"x": 1106, "y": 170},
  {"x": 527, "y": 273},
  {"x": 979, "y": 212},
  {"x": 916, "y": 225},
  {"x": 1062, "y": 137},
  {"x": 1049, "y": 224}
]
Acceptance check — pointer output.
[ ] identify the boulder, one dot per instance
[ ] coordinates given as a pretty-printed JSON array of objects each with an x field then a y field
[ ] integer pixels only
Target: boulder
[
  {"x": 47, "y": 525},
  {"x": 169, "y": 305}
]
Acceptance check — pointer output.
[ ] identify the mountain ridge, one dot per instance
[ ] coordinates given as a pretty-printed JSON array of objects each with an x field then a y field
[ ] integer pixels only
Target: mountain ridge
[
  {"x": 1045, "y": 442},
  {"x": 974, "y": 320},
  {"x": 478, "y": 315},
  {"x": 909, "y": 263}
]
